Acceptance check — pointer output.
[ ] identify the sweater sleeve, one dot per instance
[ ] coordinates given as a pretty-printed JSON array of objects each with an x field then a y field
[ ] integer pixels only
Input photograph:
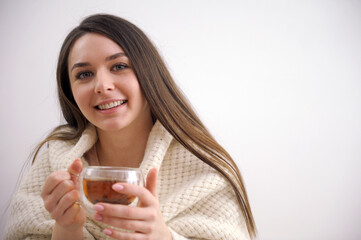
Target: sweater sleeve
[
  {"x": 197, "y": 202},
  {"x": 28, "y": 217},
  {"x": 176, "y": 236},
  {"x": 215, "y": 215}
]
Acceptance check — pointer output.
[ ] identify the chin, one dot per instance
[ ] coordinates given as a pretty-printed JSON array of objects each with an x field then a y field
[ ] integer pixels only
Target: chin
[{"x": 111, "y": 126}]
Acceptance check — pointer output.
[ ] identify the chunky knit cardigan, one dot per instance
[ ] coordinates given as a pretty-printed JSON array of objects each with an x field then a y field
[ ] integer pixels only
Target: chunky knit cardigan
[{"x": 195, "y": 200}]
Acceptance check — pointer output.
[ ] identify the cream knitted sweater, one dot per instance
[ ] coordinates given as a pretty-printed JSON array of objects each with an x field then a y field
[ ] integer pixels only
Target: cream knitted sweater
[{"x": 195, "y": 200}]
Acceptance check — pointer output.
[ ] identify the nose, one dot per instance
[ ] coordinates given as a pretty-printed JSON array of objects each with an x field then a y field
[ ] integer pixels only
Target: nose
[{"x": 103, "y": 82}]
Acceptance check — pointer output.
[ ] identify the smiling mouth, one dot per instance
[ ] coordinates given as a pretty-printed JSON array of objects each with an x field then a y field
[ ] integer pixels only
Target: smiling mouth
[{"x": 110, "y": 105}]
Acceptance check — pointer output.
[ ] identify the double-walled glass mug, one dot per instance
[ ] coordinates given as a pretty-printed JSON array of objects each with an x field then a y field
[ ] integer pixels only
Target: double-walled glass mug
[{"x": 96, "y": 185}]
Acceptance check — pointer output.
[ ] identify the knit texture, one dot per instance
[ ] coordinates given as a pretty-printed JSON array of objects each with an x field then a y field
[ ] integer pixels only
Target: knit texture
[{"x": 195, "y": 200}]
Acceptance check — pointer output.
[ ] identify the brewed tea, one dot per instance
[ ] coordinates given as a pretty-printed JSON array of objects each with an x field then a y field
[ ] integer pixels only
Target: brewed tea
[{"x": 100, "y": 190}]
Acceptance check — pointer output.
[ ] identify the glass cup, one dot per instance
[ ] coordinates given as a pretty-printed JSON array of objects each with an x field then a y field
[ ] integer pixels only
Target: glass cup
[{"x": 96, "y": 185}]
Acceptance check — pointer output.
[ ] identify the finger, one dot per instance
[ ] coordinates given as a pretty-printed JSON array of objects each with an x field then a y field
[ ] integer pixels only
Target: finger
[
  {"x": 152, "y": 181},
  {"x": 61, "y": 189},
  {"x": 71, "y": 215},
  {"x": 52, "y": 181},
  {"x": 118, "y": 211},
  {"x": 127, "y": 224},
  {"x": 123, "y": 235},
  {"x": 65, "y": 202},
  {"x": 146, "y": 198},
  {"x": 75, "y": 168}
]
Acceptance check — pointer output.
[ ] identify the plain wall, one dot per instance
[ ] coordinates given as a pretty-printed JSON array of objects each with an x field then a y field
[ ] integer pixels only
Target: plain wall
[{"x": 278, "y": 83}]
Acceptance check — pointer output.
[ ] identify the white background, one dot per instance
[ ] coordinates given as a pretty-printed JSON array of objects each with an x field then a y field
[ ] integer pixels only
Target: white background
[{"x": 278, "y": 83}]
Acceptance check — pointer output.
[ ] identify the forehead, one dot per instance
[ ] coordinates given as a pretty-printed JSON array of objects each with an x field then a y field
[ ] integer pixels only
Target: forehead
[{"x": 92, "y": 45}]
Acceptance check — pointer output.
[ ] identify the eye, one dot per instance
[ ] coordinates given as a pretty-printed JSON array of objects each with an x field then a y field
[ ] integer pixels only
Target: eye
[
  {"x": 119, "y": 67},
  {"x": 83, "y": 75}
]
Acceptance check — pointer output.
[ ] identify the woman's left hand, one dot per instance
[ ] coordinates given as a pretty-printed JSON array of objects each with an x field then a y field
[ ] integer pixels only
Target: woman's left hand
[{"x": 145, "y": 221}]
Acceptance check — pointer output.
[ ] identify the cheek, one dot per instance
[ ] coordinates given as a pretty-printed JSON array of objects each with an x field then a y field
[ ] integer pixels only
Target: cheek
[
  {"x": 132, "y": 89},
  {"x": 137, "y": 91},
  {"x": 75, "y": 94},
  {"x": 80, "y": 96}
]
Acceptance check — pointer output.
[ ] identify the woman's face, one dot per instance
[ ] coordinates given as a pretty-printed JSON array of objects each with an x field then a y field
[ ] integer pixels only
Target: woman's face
[{"x": 104, "y": 84}]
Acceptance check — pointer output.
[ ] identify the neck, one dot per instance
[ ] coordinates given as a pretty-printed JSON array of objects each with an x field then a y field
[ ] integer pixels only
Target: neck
[{"x": 124, "y": 148}]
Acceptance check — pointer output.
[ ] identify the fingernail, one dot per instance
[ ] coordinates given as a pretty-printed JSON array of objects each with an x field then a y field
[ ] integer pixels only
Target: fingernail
[
  {"x": 108, "y": 231},
  {"x": 98, "y": 207},
  {"x": 118, "y": 187},
  {"x": 98, "y": 217}
]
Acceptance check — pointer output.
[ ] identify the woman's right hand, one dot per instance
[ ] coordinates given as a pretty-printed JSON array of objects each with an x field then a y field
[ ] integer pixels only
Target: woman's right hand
[{"x": 61, "y": 197}]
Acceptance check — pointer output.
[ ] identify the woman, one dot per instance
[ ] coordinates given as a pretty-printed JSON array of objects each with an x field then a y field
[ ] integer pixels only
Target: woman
[{"x": 123, "y": 108}]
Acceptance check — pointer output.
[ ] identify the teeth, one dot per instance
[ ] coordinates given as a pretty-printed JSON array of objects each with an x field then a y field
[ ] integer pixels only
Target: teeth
[{"x": 110, "y": 105}]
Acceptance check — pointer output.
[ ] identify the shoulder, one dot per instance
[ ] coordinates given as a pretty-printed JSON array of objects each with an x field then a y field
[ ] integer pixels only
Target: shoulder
[
  {"x": 181, "y": 159},
  {"x": 63, "y": 152},
  {"x": 182, "y": 170},
  {"x": 178, "y": 165},
  {"x": 65, "y": 135}
]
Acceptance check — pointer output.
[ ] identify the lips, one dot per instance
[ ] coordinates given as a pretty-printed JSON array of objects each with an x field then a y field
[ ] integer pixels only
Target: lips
[{"x": 110, "y": 105}]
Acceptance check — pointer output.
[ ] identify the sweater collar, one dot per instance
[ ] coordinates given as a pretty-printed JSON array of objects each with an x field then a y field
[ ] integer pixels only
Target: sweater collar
[
  {"x": 62, "y": 153},
  {"x": 158, "y": 143}
]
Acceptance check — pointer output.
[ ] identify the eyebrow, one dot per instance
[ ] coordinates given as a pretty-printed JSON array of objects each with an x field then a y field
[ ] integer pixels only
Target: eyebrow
[
  {"x": 114, "y": 56},
  {"x": 111, "y": 57}
]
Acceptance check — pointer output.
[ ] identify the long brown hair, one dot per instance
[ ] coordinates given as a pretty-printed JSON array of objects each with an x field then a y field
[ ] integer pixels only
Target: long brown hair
[{"x": 167, "y": 103}]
